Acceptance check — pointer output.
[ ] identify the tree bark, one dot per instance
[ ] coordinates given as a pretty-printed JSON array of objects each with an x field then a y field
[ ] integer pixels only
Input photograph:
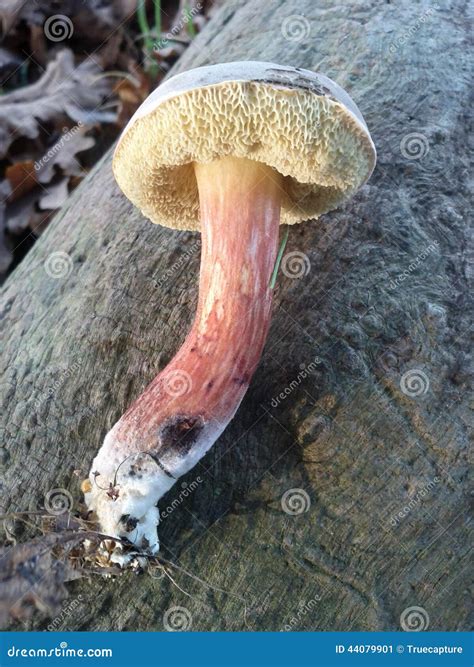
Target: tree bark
[{"x": 358, "y": 411}]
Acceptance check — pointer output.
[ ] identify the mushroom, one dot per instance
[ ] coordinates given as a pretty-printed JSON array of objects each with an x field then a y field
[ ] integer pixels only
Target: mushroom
[{"x": 233, "y": 150}]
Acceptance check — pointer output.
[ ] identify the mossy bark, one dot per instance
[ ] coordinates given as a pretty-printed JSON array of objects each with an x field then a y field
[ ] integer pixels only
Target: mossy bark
[{"x": 379, "y": 457}]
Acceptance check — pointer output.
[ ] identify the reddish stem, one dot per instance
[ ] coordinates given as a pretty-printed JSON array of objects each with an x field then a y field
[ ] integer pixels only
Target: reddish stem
[{"x": 186, "y": 407}]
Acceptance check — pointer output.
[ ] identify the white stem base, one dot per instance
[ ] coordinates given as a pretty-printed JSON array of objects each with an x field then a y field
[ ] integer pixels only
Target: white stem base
[{"x": 124, "y": 496}]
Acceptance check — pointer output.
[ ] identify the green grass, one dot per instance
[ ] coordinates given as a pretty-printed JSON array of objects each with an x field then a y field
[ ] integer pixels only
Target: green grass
[{"x": 279, "y": 256}]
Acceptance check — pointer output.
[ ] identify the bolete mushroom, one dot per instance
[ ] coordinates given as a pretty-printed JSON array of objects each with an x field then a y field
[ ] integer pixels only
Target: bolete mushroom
[{"x": 233, "y": 150}]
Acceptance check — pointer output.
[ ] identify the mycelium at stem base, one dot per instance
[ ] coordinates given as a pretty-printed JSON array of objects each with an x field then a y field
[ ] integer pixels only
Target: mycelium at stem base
[{"x": 188, "y": 405}]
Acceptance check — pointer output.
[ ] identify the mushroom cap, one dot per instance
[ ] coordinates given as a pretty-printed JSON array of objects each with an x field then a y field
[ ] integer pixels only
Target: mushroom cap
[{"x": 300, "y": 123}]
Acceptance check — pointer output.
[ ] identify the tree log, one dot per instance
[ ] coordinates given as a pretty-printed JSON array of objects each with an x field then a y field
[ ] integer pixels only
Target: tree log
[{"x": 336, "y": 499}]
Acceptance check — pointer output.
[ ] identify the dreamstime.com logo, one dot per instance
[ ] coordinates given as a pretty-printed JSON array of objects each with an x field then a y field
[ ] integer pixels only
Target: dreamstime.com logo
[
  {"x": 68, "y": 610},
  {"x": 414, "y": 383},
  {"x": 58, "y": 265},
  {"x": 414, "y": 619},
  {"x": 303, "y": 610},
  {"x": 419, "y": 259},
  {"x": 61, "y": 651},
  {"x": 415, "y": 501},
  {"x": 57, "y": 28},
  {"x": 295, "y": 264},
  {"x": 178, "y": 264},
  {"x": 58, "y": 501},
  {"x": 186, "y": 491},
  {"x": 305, "y": 371},
  {"x": 187, "y": 16},
  {"x": 295, "y": 501},
  {"x": 410, "y": 32},
  {"x": 414, "y": 146},
  {"x": 177, "y": 619},
  {"x": 54, "y": 150},
  {"x": 295, "y": 28},
  {"x": 52, "y": 390},
  {"x": 177, "y": 383}
]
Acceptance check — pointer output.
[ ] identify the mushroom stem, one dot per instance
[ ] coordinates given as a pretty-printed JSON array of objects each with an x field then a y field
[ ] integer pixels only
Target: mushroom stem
[{"x": 188, "y": 405}]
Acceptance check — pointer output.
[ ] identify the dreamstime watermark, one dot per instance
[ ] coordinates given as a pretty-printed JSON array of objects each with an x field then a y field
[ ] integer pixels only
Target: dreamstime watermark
[
  {"x": 384, "y": 403},
  {"x": 409, "y": 32},
  {"x": 187, "y": 16},
  {"x": 414, "y": 146},
  {"x": 295, "y": 502},
  {"x": 295, "y": 28},
  {"x": 54, "y": 388},
  {"x": 414, "y": 619},
  {"x": 59, "y": 620},
  {"x": 415, "y": 501},
  {"x": 178, "y": 264},
  {"x": 414, "y": 383},
  {"x": 58, "y": 502},
  {"x": 177, "y": 383},
  {"x": 186, "y": 491},
  {"x": 419, "y": 259},
  {"x": 58, "y": 265},
  {"x": 302, "y": 375},
  {"x": 57, "y": 28},
  {"x": 304, "y": 608},
  {"x": 295, "y": 264},
  {"x": 259, "y": 606},
  {"x": 177, "y": 619},
  {"x": 61, "y": 651},
  {"x": 54, "y": 150}
]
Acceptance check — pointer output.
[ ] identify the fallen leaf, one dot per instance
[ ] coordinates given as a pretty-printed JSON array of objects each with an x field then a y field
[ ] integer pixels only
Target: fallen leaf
[
  {"x": 22, "y": 178},
  {"x": 55, "y": 196},
  {"x": 62, "y": 154},
  {"x": 21, "y": 214},
  {"x": 62, "y": 89},
  {"x": 32, "y": 578},
  {"x": 131, "y": 92},
  {"x": 9, "y": 14}
]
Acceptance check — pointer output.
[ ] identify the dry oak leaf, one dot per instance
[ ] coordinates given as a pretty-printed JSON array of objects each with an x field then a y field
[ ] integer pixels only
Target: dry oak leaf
[
  {"x": 22, "y": 179},
  {"x": 32, "y": 578},
  {"x": 63, "y": 153},
  {"x": 63, "y": 89}
]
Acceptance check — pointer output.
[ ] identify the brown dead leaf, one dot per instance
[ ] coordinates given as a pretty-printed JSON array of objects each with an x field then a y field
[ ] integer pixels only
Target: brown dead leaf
[
  {"x": 22, "y": 178},
  {"x": 38, "y": 44},
  {"x": 131, "y": 92},
  {"x": 32, "y": 578},
  {"x": 62, "y": 154},
  {"x": 62, "y": 90}
]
